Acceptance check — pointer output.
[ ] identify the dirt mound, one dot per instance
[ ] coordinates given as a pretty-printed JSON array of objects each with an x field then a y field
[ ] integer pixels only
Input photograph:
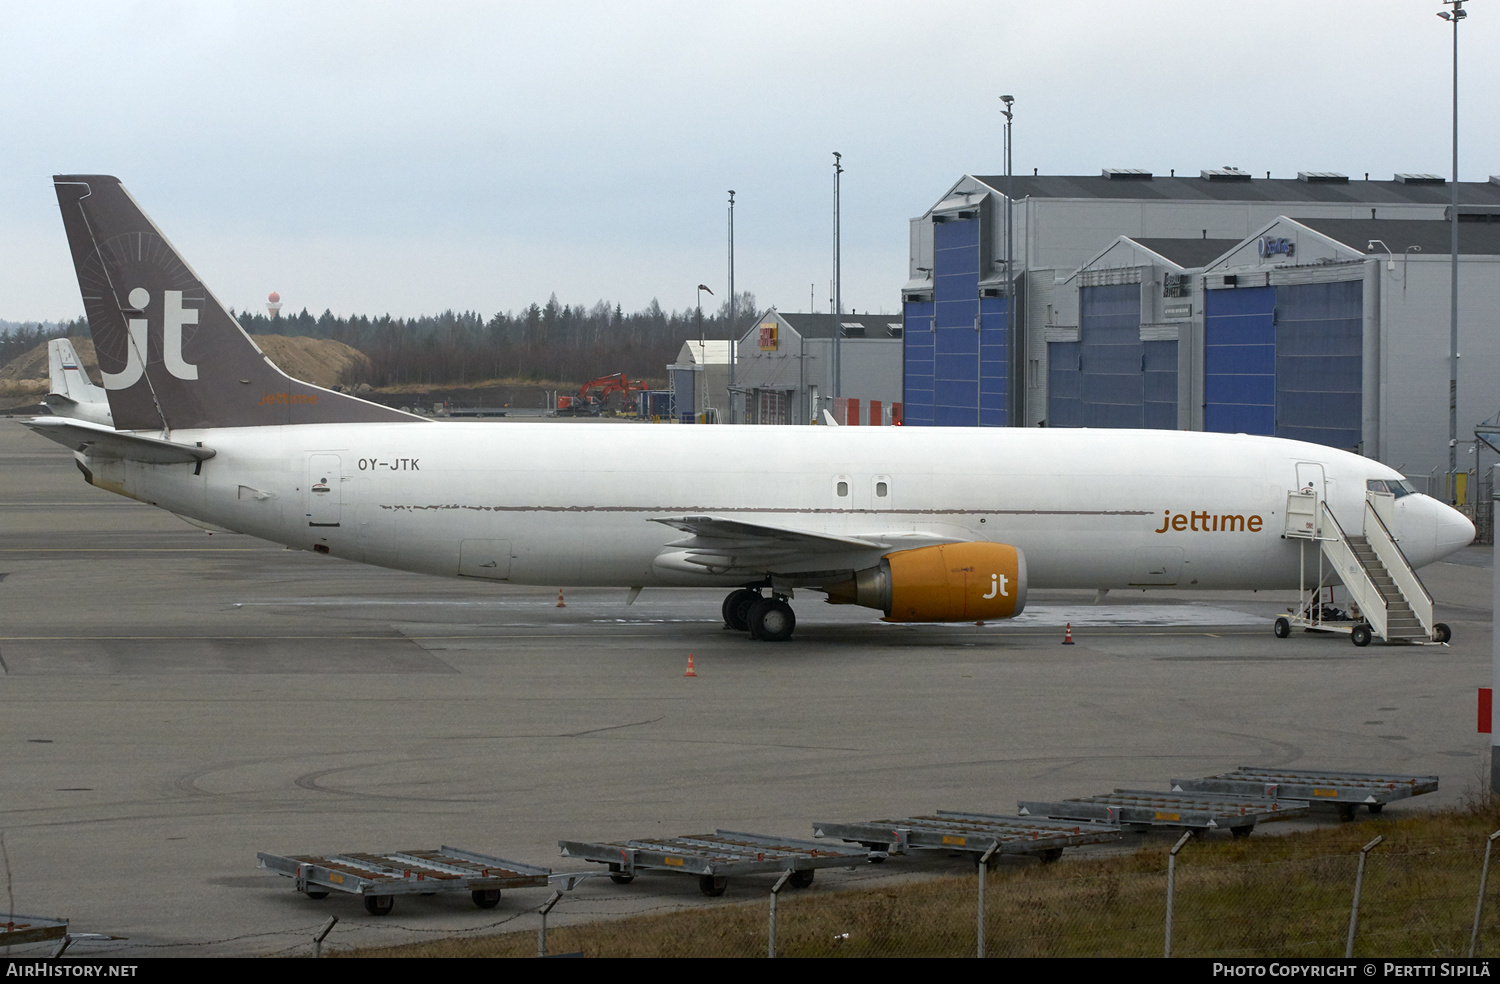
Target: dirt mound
[
  {"x": 314, "y": 360},
  {"x": 320, "y": 361}
]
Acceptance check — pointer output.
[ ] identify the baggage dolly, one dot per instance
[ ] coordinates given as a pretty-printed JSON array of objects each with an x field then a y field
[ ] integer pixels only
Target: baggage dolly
[
  {"x": 1199, "y": 812},
  {"x": 973, "y": 833},
  {"x": 714, "y": 857},
  {"x": 379, "y": 878},
  {"x": 1346, "y": 791}
]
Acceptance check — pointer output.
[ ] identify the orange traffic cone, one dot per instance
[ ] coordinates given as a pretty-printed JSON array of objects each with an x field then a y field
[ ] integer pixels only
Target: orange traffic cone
[
  {"x": 690, "y": 671},
  {"x": 560, "y": 603},
  {"x": 1068, "y": 635}
]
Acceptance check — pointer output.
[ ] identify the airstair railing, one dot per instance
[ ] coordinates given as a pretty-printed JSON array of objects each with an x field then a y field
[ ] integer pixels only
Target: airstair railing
[
  {"x": 1356, "y": 579},
  {"x": 1378, "y": 535}
]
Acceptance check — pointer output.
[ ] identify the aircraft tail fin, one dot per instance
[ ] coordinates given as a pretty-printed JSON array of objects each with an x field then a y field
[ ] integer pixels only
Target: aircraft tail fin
[
  {"x": 72, "y": 393},
  {"x": 68, "y": 378},
  {"x": 170, "y": 354}
]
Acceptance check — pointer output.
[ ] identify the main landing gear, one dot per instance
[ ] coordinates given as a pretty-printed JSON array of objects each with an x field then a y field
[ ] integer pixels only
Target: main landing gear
[{"x": 768, "y": 618}]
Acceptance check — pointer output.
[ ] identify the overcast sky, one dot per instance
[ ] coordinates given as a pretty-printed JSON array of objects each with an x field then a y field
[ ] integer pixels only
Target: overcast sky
[{"x": 405, "y": 158}]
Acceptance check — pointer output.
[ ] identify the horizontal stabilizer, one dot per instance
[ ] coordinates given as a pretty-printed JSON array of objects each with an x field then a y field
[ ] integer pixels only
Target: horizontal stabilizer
[{"x": 106, "y": 442}]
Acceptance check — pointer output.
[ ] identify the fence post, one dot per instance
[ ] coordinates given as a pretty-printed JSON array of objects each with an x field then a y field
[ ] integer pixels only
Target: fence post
[
  {"x": 1484, "y": 875},
  {"x": 327, "y": 927},
  {"x": 1359, "y": 882},
  {"x": 1187, "y": 835},
  {"x": 541, "y": 933},
  {"x": 775, "y": 891},
  {"x": 984, "y": 867}
]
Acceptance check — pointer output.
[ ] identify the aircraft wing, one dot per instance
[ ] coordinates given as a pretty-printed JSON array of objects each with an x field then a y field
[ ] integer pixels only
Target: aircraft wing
[
  {"x": 108, "y": 442},
  {"x": 731, "y": 546}
]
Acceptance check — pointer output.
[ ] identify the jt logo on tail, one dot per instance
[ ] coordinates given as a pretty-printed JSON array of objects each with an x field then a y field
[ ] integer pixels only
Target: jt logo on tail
[{"x": 174, "y": 317}]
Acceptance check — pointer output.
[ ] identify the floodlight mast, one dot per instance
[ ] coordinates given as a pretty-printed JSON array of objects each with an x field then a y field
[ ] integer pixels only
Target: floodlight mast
[
  {"x": 1017, "y": 406},
  {"x": 838, "y": 286},
  {"x": 1454, "y": 16}
]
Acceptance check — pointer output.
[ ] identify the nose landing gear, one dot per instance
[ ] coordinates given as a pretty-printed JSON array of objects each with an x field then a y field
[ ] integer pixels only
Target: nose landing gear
[{"x": 767, "y": 618}]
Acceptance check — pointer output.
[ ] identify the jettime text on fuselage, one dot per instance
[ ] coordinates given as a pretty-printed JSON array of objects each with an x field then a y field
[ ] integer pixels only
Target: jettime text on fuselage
[{"x": 1207, "y": 522}]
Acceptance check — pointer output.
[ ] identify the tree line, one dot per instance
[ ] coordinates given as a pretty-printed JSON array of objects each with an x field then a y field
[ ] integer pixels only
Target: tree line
[
  {"x": 549, "y": 341},
  {"x": 552, "y": 341}
]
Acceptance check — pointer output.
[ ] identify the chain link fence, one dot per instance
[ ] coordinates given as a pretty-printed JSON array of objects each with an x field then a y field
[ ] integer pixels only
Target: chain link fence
[{"x": 1416, "y": 900}]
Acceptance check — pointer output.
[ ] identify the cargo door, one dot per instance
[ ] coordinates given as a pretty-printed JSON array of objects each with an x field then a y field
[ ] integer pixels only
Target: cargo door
[{"x": 324, "y": 490}]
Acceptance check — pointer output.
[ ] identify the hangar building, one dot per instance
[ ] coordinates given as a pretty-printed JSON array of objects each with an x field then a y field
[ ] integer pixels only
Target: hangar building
[
  {"x": 1314, "y": 308},
  {"x": 784, "y": 365}
]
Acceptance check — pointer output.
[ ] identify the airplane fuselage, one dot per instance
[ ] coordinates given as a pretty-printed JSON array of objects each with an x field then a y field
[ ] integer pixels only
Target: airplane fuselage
[{"x": 574, "y": 504}]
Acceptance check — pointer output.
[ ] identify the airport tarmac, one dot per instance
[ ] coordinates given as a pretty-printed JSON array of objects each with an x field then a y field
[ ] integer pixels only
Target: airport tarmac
[{"x": 171, "y": 703}]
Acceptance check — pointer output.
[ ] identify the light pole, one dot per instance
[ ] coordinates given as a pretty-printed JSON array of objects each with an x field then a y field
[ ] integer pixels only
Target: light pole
[
  {"x": 701, "y": 289},
  {"x": 1010, "y": 273},
  {"x": 1454, "y": 16},
  {"x": 733, "y": 335},
  {"x": 838, "y": 297}
]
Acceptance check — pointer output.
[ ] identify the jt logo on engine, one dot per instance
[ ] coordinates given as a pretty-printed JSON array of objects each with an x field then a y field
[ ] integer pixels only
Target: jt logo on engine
[
  {"x": 997, "y": 586},
  {"x": 174, "y": 317}
]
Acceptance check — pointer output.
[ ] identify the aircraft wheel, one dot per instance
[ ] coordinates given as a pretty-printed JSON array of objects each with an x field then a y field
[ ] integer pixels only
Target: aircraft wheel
[
  {"x": 712, "y": 885},
  {"x": 379, "y": 905},
  {"x": 486, "y": 898},
  {"x": 800, "y": 879},
  {"x": 1441, "y": 632},
  {"x": 771, "y": 620},
  {"x": 1283, "y": 628},
  {"x": 1360, "y": 635},
  {"x": 736, "y": 608}
]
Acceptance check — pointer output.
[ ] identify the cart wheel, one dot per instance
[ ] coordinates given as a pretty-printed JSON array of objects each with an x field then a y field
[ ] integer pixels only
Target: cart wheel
[
  {"x": 1360, "y": 635},
  {"x": 618, "y": 876},
  {"x": 379, "y": 905},
  {"x": 1240, "y": 832},
  {"x": 1283, "y": 628},
  {"x": 712, "y": 885},
  {"x": 1051, "y": 855},
  {"x": 1441, "y": 632},
  {"x": 1376, "y": 808},
  {"x": 800, "y": 879},
  {"x": 316, "y": 895},
  {"x": 486, "y": 898},
  {"x": 1345, "y": 811}
]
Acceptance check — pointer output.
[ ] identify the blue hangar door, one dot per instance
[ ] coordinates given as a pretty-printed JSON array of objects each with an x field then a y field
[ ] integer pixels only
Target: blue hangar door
[{"x": 1285, "y": 361}]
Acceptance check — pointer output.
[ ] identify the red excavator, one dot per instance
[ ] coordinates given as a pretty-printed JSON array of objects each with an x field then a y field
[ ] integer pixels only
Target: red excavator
[{"x": 590, "y": 404}]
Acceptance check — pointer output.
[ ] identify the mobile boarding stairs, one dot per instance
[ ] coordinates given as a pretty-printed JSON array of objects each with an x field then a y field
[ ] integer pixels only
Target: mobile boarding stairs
[{"x": 1388, "y": 599}]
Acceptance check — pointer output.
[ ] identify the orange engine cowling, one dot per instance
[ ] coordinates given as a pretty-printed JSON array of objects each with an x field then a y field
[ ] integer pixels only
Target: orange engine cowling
[{"x": 950, "y": 582}]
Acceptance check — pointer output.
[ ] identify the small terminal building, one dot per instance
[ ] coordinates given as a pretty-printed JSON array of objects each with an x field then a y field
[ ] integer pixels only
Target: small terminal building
[
  {"x": 1314, "y": 308},
  {"x": 784, "y": 368}
]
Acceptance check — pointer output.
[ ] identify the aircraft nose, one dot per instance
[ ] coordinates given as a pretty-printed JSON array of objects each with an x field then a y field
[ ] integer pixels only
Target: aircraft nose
[
  {"x": 1454, "y": 530},
  {"x": 1430, "y": 530}
]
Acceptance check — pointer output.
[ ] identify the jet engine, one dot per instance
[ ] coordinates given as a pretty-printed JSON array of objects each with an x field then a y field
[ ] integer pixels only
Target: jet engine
[{"x": 949, "y": 582}]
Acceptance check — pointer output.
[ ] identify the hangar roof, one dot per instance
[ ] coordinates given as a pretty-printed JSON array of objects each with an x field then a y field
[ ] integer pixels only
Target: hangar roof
[
  {"x": 1189, "y": 253},
  {"x": 1293, "y": 190},
  {"x": 1433, "y": 236},
  {"x": 855, "y": 325}
]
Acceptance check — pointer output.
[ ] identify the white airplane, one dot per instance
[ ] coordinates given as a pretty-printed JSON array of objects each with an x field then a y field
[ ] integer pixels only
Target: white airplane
[
  {"x": 923, "y": 524},
  {"x": 72, "y": 393}
]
